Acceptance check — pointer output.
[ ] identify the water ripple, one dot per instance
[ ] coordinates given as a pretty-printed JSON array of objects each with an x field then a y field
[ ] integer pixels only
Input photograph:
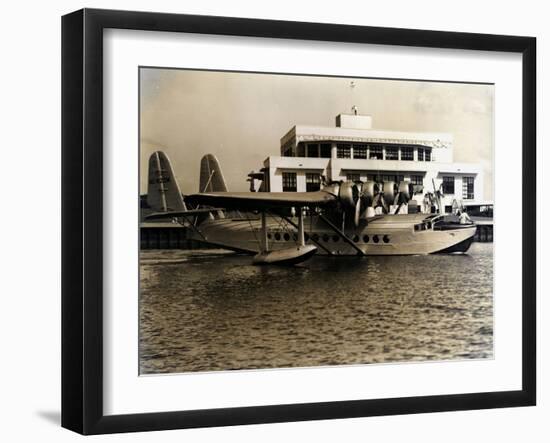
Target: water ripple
[{"x": 214, "y": 311}]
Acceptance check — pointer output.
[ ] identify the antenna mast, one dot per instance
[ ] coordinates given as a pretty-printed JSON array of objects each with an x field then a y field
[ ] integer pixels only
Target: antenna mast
[{"x": 353, "y": 107}]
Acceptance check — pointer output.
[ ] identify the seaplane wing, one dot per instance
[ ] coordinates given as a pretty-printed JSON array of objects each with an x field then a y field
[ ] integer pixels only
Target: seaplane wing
[
  {"x": 261, "y": 200},
  {"x": 175, "y": 214}
]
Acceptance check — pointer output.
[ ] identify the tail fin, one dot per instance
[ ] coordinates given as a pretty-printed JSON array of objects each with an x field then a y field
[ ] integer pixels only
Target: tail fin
[
  {"x": 163, "y": 194},
  {"x": 211, "y": 178}
]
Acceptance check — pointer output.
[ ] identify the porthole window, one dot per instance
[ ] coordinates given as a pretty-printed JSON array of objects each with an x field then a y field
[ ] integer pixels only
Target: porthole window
[
  {"x": 375, "y": 239},
  {"x": 277, "y": 236},
  {"x": 386, "y": 239},
  {"x": 365, "y": 238},
  {"x": 355, "y": 238},
  {"x": 269, "y": 235},
  {"x": 286, "y": 236},
  {"x": 335, "y": 238},
  {"x": 325, "y": 238}
]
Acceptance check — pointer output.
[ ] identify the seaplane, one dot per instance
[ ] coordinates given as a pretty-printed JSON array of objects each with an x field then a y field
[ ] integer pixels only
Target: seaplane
[{"x": 286, "y": 228}]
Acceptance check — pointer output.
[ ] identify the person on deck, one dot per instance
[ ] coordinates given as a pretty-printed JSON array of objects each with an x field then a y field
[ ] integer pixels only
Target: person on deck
[{"x": 464, "y": 218}]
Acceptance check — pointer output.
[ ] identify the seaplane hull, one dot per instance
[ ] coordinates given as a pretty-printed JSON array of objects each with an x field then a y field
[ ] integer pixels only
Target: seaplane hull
[
  {"x": 384, "y": 235},
  {"x": 332, "y": 221}
]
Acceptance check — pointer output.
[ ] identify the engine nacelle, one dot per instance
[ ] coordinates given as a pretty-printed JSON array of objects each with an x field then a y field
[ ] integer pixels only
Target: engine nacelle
[
  {"x": 405, "y": 192},
  {"x": 369, "y": 190},
  {"x": 389, "y": 192},
  {"x": 348, "y": 195}
]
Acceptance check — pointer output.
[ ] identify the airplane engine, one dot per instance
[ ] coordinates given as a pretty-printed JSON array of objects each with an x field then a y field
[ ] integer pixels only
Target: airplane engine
[
  {"x": 348, "y": 195},
  {"x": 349, "y": 199},
  {"x": 389, "y": 192},
  {"x": 369, "y": 191},
  {"x": 405, "y": 192}
]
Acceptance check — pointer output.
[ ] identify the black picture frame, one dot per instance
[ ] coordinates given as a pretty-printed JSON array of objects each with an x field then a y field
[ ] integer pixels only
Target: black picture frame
[{"x": 82, "y": 218}]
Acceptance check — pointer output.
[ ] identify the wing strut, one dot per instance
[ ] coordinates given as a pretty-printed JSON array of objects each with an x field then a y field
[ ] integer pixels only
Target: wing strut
[
  {"x": 301, "y": 238},
  {"x": 290, "y": 222},
  {"x": 286, "y": 256},
  {"x": 341, "y": 234},
  {"x": 263, "y": 243}
]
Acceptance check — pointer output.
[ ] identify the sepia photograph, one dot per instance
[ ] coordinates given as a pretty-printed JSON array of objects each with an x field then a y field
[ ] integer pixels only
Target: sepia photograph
[{"x": 296, "y": 221}]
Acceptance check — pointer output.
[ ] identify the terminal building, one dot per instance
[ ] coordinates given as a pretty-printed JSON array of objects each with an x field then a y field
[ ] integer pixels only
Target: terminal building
[{"x": 353, "y": 150}]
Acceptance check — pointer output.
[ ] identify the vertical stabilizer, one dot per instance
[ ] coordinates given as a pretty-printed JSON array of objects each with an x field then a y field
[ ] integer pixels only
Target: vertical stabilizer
[
  {"x": 211, "y": 178},
  {"x": 163, "y": 193}
]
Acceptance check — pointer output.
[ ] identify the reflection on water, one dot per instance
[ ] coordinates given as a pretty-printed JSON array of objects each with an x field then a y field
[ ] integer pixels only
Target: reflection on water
[{"x": 213, "y": 310}]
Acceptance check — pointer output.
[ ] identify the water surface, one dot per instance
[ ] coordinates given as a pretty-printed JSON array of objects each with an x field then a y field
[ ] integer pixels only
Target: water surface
[{"x": 212, "y": 310}]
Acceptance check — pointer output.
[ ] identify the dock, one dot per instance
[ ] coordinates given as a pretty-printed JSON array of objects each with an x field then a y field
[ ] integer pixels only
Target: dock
[
  {"x": 484, "y": 232},
  {"x": 167, "y": 236}
]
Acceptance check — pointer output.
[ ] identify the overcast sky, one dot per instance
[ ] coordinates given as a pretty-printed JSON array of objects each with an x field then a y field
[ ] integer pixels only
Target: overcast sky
[{"x": 241, "y": 117}]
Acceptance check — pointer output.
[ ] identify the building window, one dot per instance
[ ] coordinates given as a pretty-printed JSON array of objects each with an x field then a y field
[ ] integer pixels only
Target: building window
[
  {"x": 289, "y": 182},
  {"x": 301, "y": 150},
  {"x": 392, "y": 153},
  {"x": 313, "y": 182},
  {"x": 392, "y": 178},
  {"x": 407, "y": 153},
  {"x": 343, "y": 151},
  {"x": 375, "y": 152},
  {"x": 468, "y": 188},
  {"x": 417, "y": 180},
  {"x": 360, "y": 151},
  {"x": 372, "y": 178},
  {"x": 420, "y": 154},
  {"x": 312, "y": 150},
  {"x": 353, "y": 177},
  {"x": 428, "y": 155},
  {"x": 449, "y": 185},
  {"x": 325, "y": 150}
]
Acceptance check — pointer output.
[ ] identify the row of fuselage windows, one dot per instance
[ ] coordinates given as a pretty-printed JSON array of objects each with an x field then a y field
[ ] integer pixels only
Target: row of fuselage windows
[
  {"x": 327, "y": 238},
  {"x": 313, "y": 180},
  {"x": 448, "y": 187},
  {"x": 362, "y": 151}
]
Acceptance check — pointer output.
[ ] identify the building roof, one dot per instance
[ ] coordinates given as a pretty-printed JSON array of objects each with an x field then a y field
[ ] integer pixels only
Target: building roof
[{"x": 300, "y": 133}]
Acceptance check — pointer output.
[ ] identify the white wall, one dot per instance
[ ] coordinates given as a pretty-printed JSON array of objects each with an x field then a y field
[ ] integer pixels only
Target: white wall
[{"x": 30, "y": 283}]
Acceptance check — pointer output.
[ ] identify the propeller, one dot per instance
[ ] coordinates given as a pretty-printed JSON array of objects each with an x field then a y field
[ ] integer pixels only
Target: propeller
[
  {"x": 350, "y": 196},
  {"x": 357, "y": 212}
]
